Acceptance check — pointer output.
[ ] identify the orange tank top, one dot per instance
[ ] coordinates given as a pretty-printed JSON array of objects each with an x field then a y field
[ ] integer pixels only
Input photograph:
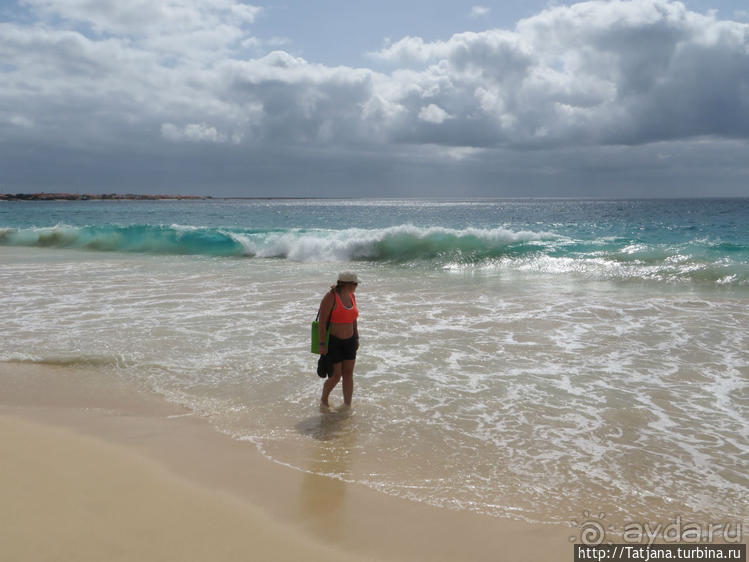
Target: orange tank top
[{"x": 343, "y": 315}]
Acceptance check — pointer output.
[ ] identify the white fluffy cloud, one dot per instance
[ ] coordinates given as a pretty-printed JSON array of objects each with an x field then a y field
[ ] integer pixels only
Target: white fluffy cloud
[
  {"x": 433, "y": 114},
  {"x": 594, "y": 74},
  {"x": 479, "y": 11},
  {"x": 196, "y": 29}
]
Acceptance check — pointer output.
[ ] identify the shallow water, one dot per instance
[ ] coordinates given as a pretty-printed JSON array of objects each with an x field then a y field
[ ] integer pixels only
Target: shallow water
[{"x": 496, "y": 384}]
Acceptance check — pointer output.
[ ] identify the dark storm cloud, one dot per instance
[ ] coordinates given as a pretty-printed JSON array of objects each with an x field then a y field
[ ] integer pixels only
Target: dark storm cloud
[{"x": 590, "y": 98}]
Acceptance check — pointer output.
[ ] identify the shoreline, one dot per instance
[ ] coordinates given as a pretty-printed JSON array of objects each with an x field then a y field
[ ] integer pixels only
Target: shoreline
[
  {"x": 43, "y": 196},
  {"x": 179, "y": 453}
]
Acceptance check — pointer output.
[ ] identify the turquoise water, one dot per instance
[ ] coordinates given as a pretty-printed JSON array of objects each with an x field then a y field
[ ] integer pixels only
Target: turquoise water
[
  {"x": 521, "y": 358},
  {"x": 700, "y": 240}
]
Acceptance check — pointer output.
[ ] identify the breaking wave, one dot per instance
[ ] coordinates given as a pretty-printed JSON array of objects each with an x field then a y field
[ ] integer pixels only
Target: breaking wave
[
  {"x": 397, "y": 244},
  {"x": 444, "y": 248}
]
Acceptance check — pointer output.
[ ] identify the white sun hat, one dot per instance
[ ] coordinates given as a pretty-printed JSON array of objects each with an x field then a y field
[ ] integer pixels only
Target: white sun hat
[{"x": 348, "y": 277}]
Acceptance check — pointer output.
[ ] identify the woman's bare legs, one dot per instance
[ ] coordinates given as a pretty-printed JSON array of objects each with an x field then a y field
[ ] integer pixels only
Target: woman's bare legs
[
  {"x": 343, "y": 370},
  {"x": 347, "y": 373},
  {"x": 330, "y": 383}
]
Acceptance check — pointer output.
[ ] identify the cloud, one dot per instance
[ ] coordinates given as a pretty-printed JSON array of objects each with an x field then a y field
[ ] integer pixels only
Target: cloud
[
  {"x": 592, "y": 73},
  {"x": 196, "y": 29},
  {"x": 178, "y": 77},
  {"x": 145, "y": 17},
  {"x": 196, "y": 132},
  {"x": 479, "y": 12},
  {"x": 433, "y": 114}
]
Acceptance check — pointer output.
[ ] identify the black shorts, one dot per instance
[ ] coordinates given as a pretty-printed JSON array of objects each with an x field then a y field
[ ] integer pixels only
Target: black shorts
[{"x": 342, "y": 350}]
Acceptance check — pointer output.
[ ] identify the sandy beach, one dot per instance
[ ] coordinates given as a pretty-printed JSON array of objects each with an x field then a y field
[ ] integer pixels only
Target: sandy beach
[
  {"x": 70, "y": 497},
  {"x": 120, "y": 475}
]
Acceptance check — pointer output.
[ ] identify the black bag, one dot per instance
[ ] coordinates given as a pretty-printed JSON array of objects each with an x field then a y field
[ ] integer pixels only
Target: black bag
[{"x": 324, "y": 367}]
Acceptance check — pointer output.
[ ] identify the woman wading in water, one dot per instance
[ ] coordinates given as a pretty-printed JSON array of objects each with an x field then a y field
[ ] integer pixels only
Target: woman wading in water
[{"x": 339, "y": 306}]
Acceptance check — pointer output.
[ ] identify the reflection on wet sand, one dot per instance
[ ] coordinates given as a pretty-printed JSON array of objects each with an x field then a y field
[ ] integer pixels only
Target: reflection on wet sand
[{"x": 333, "y": 436}]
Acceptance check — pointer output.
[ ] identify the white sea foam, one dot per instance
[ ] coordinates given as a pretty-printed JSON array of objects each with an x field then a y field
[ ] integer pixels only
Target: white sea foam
[{"x": 399, "y": 242}]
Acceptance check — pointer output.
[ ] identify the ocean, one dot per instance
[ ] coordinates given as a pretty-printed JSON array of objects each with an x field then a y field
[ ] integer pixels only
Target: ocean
[{"x": 535, "y": 359}]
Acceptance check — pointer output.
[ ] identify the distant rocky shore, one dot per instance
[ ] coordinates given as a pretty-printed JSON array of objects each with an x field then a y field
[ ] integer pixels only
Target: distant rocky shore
[{"x": 89, "y": 196}]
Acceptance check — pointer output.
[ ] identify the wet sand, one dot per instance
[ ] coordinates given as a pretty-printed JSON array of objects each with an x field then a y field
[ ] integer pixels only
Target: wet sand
[{"x": 107, "y": 472}]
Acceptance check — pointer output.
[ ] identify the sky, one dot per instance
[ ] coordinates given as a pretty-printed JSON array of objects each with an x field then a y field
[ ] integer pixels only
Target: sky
[{"x": 533, "y": 98}]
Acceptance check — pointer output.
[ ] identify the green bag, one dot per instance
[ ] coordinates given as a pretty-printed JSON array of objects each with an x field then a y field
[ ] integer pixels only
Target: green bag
[
  {"x": 316, "y": 337},
  {"x": 314, "y": 348}
]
